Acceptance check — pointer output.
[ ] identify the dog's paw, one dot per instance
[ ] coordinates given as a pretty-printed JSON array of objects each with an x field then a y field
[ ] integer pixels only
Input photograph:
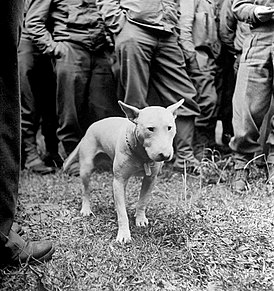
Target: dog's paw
[
  {"x": 86, "y": 211},
  {"x": 123, "y": 237},
  {"x": 141, "y": 221}
]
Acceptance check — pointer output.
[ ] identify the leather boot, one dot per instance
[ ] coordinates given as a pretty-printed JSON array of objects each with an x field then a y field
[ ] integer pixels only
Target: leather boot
[
  {"x": 37, "y": 166},
  {"x": 17, "y": 228},
  {"x": 240, "y": 182},
  {"x": 17, "y": 250},
  {"x": 204, "y": 141},
  {"x": 33, "y": 162},
  {"x": 53, "y": 159}
]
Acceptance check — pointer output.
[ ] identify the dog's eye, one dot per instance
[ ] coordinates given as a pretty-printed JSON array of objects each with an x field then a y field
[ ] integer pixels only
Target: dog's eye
[
  {"x": 151, "y": 129},
  {"x": 169, "y": 128}
]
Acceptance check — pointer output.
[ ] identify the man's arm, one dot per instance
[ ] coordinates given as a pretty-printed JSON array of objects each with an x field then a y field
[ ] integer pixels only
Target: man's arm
[
  {"x": 113, "y": 14},
  {"x": 247, "y": 11},
  {"x": 228, "y": 25},
  {"x": 35, "y": 22},
  {"x": 187, "y": 11}
]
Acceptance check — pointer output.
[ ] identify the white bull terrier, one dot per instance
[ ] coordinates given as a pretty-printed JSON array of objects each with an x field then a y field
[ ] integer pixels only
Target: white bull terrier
[{"x": 137, "y": 145}]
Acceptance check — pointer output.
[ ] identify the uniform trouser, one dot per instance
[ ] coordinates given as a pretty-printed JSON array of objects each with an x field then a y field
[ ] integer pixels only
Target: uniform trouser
[
  {"x": 10, "y": 19},
  {"x": 253, "y": 94},
  {"x": 38, "y": 98},
  {"x": 226, "y": 79},
  {"x": 85, "y": 92},
  {"x": 149, "y": 57},
  {"x": 202, "y": 72}
]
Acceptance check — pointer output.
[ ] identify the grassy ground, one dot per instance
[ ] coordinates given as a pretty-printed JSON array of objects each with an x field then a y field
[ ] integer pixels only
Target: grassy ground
[{"x": 200, "y": 237}]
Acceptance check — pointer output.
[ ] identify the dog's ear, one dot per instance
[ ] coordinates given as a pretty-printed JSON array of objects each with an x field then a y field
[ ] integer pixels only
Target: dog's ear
[
  {"x": 173, "y": 108},
  {"x": 131, "y": 112}
]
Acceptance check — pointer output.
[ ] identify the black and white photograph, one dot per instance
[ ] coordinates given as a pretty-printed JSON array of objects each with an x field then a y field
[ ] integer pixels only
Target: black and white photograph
[{"x": 137, "y": 145}]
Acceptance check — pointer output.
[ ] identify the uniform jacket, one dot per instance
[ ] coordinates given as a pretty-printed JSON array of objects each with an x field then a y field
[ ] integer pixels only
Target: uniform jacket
[
  {"x": 158, "y": 14},
  {"x": 78, "y": 21},
  {"x": 232, "y": 31},
  {"x": 244, "y": 10},
  {"x": 198, "y": 27},
  {"x": 24, "y": 34}
]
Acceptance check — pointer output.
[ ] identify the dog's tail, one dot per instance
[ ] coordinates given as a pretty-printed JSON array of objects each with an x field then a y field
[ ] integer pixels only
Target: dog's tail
[{"x": 71, "y": 158}]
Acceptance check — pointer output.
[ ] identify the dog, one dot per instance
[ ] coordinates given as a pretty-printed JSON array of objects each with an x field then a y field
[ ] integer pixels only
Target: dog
[{"x": 138, "y": 144}]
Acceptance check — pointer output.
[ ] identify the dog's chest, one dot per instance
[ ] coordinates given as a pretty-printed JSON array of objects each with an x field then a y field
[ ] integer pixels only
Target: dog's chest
[{"x": 150, "y": 168}]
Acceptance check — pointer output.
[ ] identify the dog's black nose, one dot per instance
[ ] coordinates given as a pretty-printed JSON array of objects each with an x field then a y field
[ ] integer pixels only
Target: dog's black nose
[{"x": 164, "y": 157}]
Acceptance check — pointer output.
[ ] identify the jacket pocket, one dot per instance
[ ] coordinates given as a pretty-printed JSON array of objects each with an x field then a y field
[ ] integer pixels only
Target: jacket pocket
[
  {"x": 204, "y": 29},
  {"x": 82, "y": 16},
  {"x": 205, "y": 32},
  {"x": 247, "y": 46}
]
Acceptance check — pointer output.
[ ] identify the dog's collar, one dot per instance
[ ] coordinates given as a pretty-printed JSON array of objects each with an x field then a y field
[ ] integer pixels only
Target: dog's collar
[
  {"x": 148, "y": 166},
  {"x": 135, "y": 141},
  {"x": 148, "y": 163}
]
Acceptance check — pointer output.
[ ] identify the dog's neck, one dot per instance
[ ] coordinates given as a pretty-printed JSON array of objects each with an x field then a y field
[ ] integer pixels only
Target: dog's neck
[
  {"x": 136, "y": 148},
  {"x": 135, "y": 145}
]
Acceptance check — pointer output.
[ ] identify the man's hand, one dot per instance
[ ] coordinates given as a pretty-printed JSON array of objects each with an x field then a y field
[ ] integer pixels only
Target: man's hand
[
  {"x": 264, "y": 13},
  {"x": 60, "y": 50}
]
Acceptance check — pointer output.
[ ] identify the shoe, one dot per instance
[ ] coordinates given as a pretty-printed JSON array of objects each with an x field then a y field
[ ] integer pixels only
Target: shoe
[
  {"x": 240, "y": 180},
  {"x": 192, "y": 168},
  {"x": 204, "y": 142},
  {"x": 223, "y": 150},
  {"x": 37, "y": 166},
  {"x": 17, "y": 228},
  {"x": 53, "y": 160},
  {"x": 18, "y": 251}
]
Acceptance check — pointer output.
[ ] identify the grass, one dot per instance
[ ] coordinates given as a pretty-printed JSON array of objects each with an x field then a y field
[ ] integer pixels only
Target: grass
[{"x": 201, "y": 236}]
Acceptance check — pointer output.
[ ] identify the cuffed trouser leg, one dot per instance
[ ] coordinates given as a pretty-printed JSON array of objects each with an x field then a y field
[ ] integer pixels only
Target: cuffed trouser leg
[
  {"x": 270, "y": 156},
  {"x": 85, "y": 92},
  {"x": 253, "y": 92},
  {"x": 10, "y": 20},
  {"x": 30, "y": 150},
  {"x": 47, "y": 97},
  {"x": 226, "y": 80},
  {"x": 184, "y": 142},
  {"x": 38, "y": 100},
  {"x": 30, "y": 108},
  {"x": 72, "y": 73},
  {"x": 203, "y": 77},
  {"x": 202, "y": 71},
  {"x": 270, "y": 142}
]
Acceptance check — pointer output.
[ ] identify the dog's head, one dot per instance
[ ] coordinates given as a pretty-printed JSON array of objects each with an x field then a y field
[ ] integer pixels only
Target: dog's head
[{"x": 155, "y": 128}]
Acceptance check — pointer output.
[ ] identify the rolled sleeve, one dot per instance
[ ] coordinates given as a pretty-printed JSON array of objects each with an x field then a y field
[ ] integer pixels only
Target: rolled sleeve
[
  {"x": 35, "y": 22},
  {"x": 244, "y": 10},
  {"x": 187, "y": 11},
  {"x": 113, "y": 14}
]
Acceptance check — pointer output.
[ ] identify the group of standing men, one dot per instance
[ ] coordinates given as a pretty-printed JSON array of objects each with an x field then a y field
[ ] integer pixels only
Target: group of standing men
[
  {"x": 78, "y": 57},
  {"x": 163, "y": 51},
  {"x": 143, "y": 52}
]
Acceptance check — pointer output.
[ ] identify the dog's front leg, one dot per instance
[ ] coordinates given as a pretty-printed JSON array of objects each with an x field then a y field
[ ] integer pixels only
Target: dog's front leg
[
  {"x": 86, "y": 168},
  {"x": 145, "y": 195},
  {"x": 119, "y": 188}
]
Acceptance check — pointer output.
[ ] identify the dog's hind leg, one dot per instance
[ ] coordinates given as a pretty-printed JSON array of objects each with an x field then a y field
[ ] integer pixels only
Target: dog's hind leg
[{"x": 145, "y": 195}]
